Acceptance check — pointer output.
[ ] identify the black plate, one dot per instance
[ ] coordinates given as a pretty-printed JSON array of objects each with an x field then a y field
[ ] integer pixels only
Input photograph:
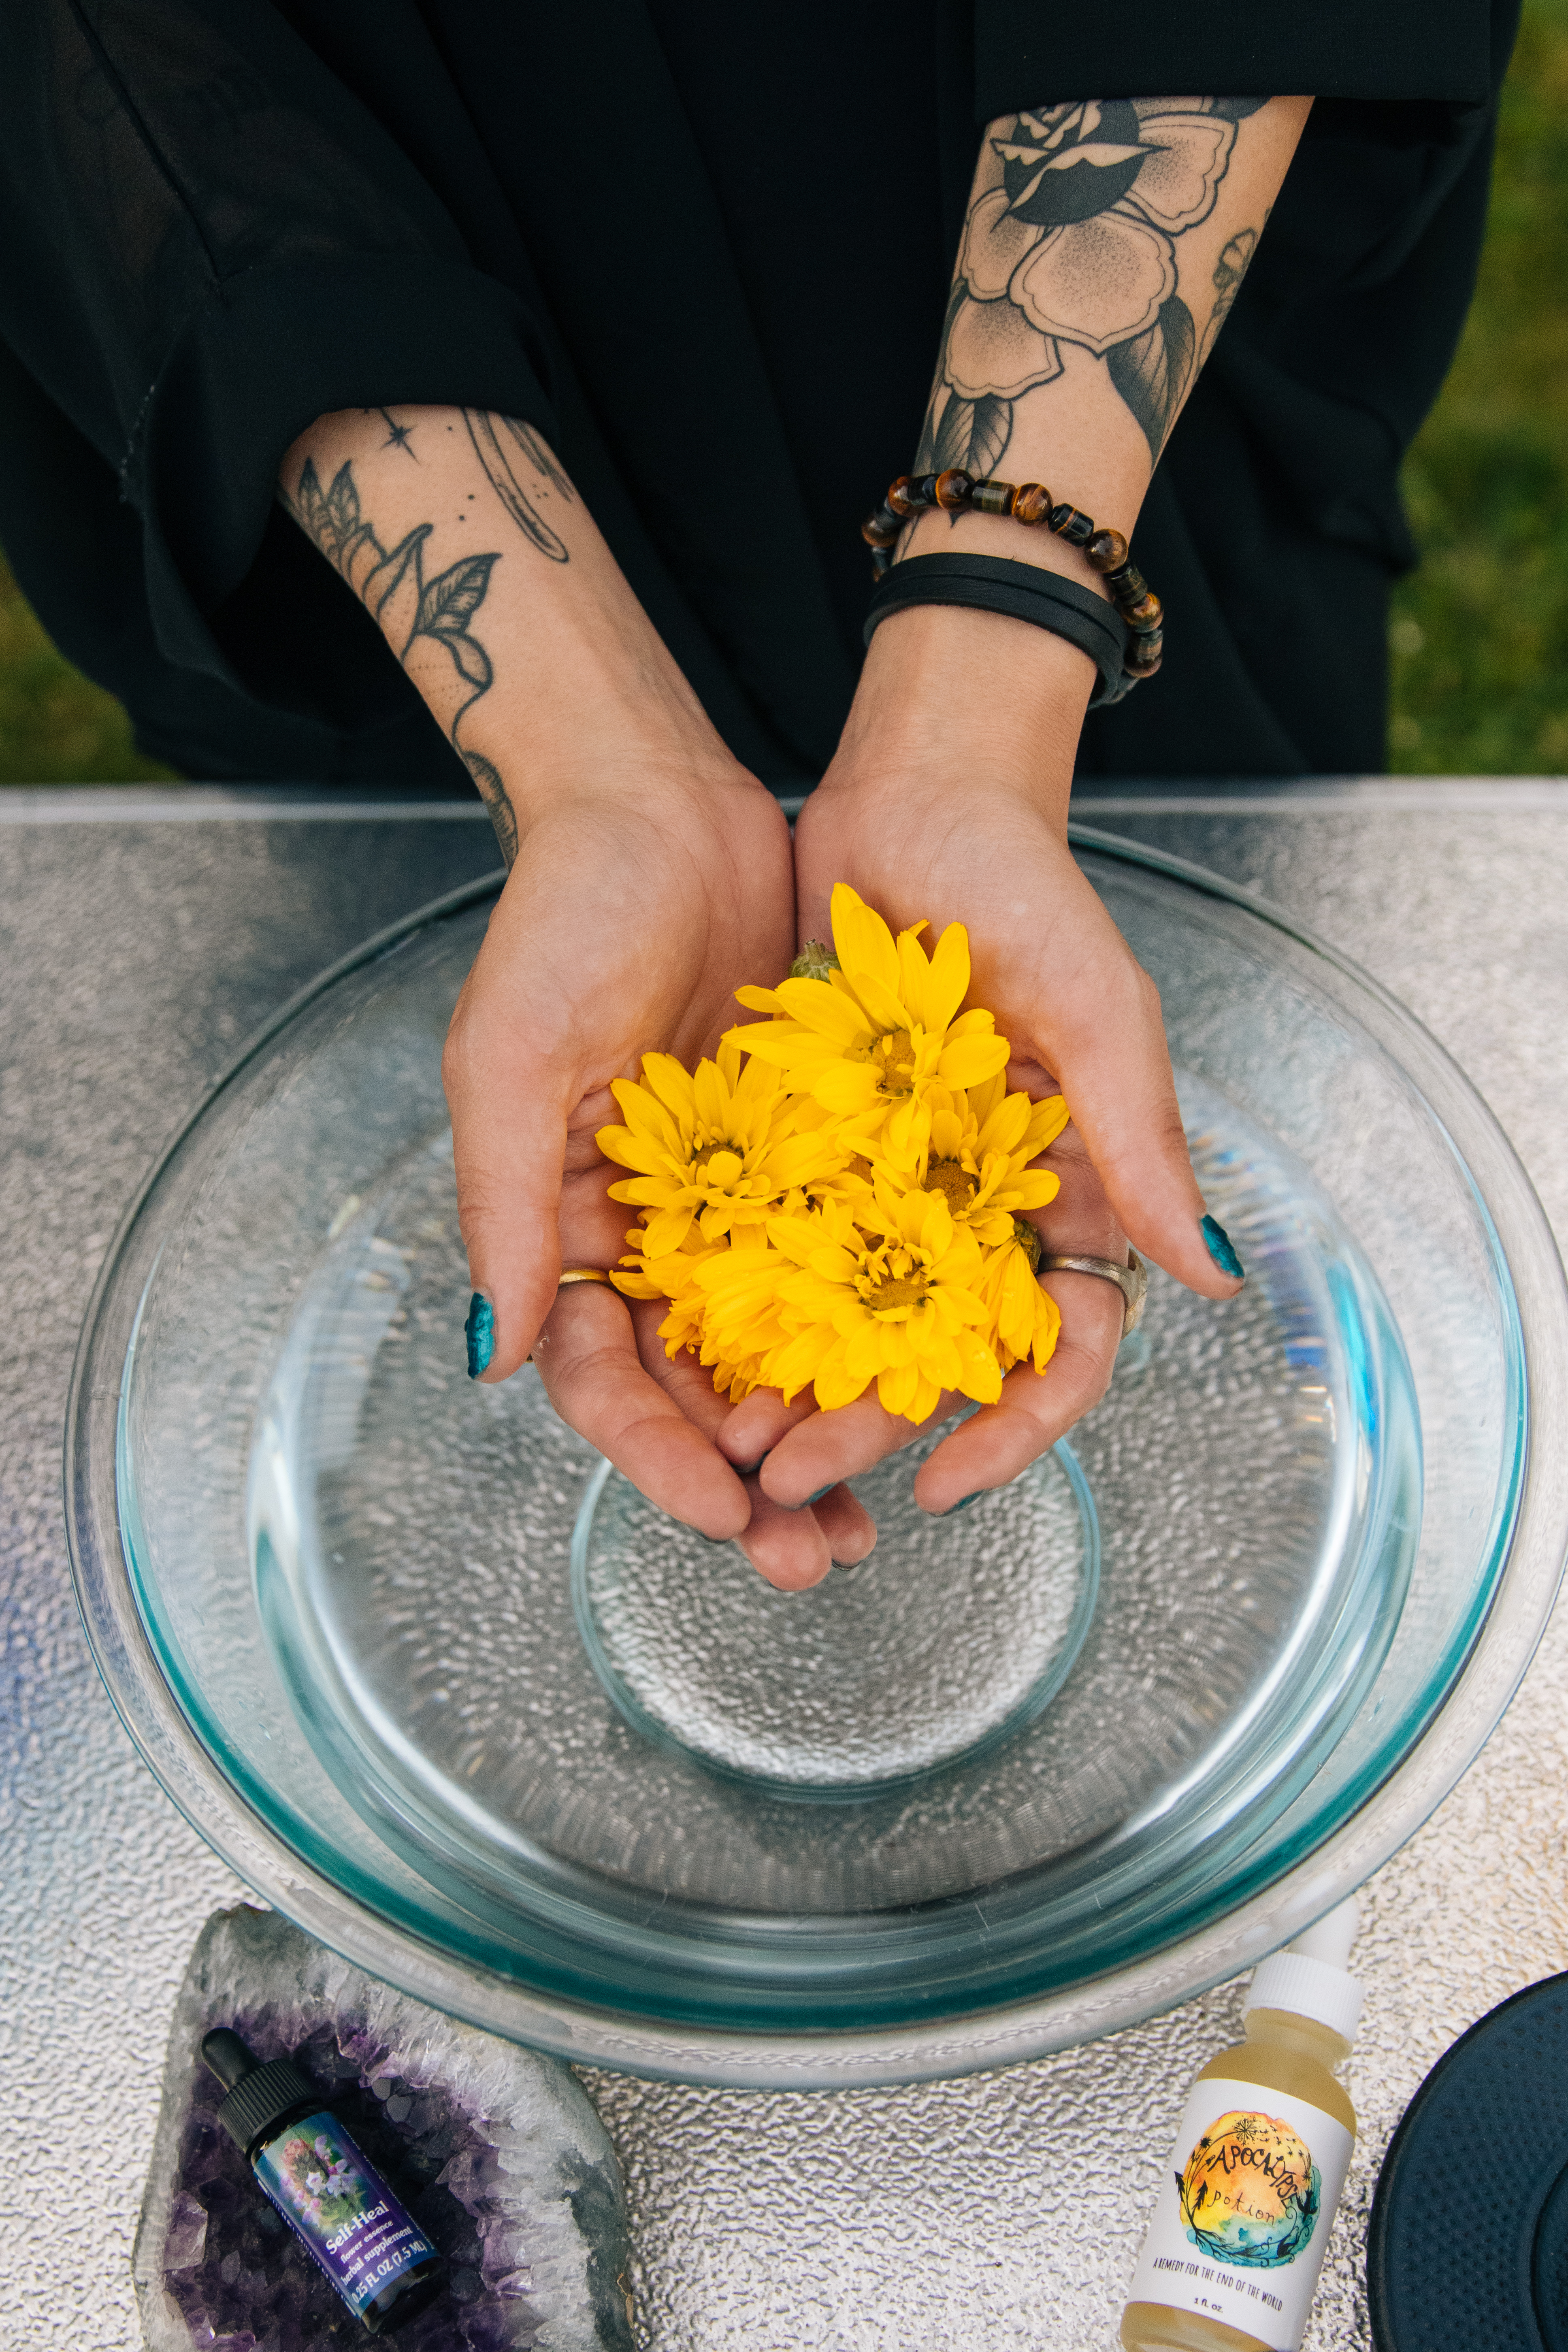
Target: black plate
[{"x": 1468, "y": 2248}]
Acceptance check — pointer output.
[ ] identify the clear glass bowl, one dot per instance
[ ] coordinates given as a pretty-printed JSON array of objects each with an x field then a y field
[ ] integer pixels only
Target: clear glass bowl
[{"x": 445, "y": 1689}]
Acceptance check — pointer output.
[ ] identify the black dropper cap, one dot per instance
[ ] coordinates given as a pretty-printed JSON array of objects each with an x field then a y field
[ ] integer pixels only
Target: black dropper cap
[{"x": 261, "y": 2097}]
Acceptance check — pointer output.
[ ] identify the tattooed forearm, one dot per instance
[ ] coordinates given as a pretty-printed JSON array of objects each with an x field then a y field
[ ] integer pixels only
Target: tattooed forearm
[
  {"x": 1074, "y": 238},
  {"x": 427, "y": 622}
]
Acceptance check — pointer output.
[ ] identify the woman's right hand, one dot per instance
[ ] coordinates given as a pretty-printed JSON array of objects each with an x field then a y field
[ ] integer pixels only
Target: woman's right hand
[
  {"x": 634, "y": 908},
  {"x": 650, "y": 877}
]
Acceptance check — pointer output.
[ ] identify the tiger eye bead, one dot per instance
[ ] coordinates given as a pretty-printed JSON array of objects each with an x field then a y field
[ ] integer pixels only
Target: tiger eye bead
[
  {"x": 954, "y": 489},
  {"x": 1107, "y": 550},
  {"x": 881, "y": 529},
  {"x": 994, "y": 498},
  {"x": 1068, "y": 523},
  {"x": 898, "y": 499},
  {"x": 1031, "y": 504},
  {"x": 1142, "y": 658},
  {"x": 1127, "y": 584},
  {"x": 1145, "y": 614}
]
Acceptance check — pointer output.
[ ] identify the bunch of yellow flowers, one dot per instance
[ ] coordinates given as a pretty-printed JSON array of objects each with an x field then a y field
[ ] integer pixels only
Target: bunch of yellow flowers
[{"x": 841, "y": 1197}]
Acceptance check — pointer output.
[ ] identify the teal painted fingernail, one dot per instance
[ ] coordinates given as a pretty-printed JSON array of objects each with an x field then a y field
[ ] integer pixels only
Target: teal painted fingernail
[
  {"x": 954, "y": 1509},
  {"x": 819, "y": 1494},
  {"x": 1219, "y": 1246},
  {"x": 479, "y": 1331}
]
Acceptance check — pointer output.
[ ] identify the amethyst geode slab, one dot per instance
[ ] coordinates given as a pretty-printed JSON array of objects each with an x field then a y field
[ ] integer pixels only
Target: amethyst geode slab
[{"x": 498, "y": 2153}]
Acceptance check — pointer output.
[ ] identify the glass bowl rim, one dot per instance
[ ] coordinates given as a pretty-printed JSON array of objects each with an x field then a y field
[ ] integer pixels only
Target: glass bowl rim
[{"x": 1127, "y": 1995}]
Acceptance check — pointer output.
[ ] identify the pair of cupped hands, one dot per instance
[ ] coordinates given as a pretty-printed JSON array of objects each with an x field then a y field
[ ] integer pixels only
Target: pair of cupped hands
[{"x": 653, "y": 877}]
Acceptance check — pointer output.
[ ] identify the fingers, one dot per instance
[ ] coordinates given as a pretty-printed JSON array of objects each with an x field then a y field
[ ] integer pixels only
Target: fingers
[
  {"x": 1106, "y": 1045},
  {"x": 508, "y": 1109},
  {"x": 1037, "y": 1408},
  {"x": 756, "y": 1425},
  {"x": 588, "y": 1358},
  {"x": 792, "y": 1547},
  {"x": 822, "y": 1448}
]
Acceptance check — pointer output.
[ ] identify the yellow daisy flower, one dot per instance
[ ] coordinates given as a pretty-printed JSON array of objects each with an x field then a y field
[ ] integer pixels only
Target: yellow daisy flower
[
  {"x": 869, "y": 1041},
  {"x": 978, "y": 1155},
  {"x": 897, "y": 1307},
  {"x": 1021, "y": 1319},
  {"x": 674, "y": 1277},
  {"x": 717, "y": 1148}
]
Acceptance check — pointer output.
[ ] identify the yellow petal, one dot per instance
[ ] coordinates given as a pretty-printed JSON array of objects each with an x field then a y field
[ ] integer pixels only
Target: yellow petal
[
  {"x": 667, "y": 1230},
  {"x": 864, "y": 942},
  {"x": 947, "y": 978},
  {"x": 845, "y": 1087},
  {"x": 897, "y": 1389},
  {"x": 780, "y": 1043},
  {"x": 981, "y": 1376},
  {"x": 836, "y": 1385},
  {"x": 826, "y": 1012},
  {"x": 664, "y": 1077},
  {"x": 710, "y": 1098},
  {"x": 1034, "y": 1188},
  {"x": 1007, "y": 1125},
  {"x": 1047, "y": 1122},
  {"x": 620, "y": 1144},
  {"x": 984, "y": 1099},
  {"x": 965, "y": 1061}
]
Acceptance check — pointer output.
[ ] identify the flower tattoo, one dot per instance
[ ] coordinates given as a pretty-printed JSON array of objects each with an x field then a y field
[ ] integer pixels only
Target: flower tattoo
[{"x": 1074, "y": 242}]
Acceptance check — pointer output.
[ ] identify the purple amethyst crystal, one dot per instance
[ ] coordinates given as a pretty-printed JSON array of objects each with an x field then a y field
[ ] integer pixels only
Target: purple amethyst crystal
[{"x": 496, "y": 2152}]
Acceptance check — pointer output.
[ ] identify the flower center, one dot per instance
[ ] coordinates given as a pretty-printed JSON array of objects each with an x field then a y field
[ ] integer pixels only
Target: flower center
[
  {"x": 893, "y": 1278},
  {"x": 952, "y": 1179},
  {"x": 893, "y": 1059},
  {"x": 700, "y": 1158}
]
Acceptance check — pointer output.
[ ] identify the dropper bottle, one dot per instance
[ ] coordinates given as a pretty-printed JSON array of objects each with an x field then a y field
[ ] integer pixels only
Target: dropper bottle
[
  {"x": 1242, "y": 2220},
  {"x": 327, "y": 2189}
]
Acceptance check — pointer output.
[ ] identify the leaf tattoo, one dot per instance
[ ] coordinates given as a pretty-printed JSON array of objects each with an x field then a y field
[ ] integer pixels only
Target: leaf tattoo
[
  {"x": 416, "y": 613},
  {"x": 1152, "y": 371},
  {"x": 446, "y": 607}
]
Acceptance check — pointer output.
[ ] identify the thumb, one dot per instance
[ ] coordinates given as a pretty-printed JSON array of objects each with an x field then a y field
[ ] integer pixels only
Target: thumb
[
  {"x": 1115, "y": 1072},
  {"x": 509, "y": 1141}
]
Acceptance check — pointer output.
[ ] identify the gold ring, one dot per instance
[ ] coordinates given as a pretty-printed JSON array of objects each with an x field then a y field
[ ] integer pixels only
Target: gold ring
[
  {"x": 1132, "y": 1279},
  {"x": 577, "y": 1274}
]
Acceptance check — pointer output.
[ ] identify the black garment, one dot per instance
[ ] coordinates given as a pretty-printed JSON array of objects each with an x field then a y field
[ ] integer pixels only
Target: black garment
[{"x": 705, "y": 249}]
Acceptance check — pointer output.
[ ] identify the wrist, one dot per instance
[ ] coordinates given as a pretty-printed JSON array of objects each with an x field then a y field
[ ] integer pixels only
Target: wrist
[{"x": 950, "y": 697}]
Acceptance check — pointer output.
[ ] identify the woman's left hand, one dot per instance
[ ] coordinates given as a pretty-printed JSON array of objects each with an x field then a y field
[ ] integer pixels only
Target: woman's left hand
[{"x": 948, "y": 802}]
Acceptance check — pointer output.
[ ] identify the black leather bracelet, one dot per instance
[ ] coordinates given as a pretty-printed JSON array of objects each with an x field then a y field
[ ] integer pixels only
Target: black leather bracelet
[{"x": 990, "y": 583}]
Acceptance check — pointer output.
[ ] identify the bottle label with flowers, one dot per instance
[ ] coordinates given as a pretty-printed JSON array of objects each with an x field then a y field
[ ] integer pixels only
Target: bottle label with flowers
[
  {"x": 1241, "y": 2223},
  {"x": 347, "y": 2217}
]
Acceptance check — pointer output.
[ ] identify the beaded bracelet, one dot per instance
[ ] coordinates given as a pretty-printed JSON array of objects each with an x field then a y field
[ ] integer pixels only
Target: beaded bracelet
[{"x": 955, "y": 493}]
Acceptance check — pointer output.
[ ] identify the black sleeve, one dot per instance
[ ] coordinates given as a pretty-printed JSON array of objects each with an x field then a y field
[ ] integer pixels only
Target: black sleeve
[
  {"x": 208, "y": 242},
  {"x": 1030, "y": 51}
]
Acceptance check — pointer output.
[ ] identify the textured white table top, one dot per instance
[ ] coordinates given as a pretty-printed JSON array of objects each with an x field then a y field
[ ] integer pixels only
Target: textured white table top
[{"x": 142, "y": 937}]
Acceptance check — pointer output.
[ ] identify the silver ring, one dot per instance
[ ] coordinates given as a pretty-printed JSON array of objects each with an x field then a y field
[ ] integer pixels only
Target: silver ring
[{"x": 1132, "y": 1279}]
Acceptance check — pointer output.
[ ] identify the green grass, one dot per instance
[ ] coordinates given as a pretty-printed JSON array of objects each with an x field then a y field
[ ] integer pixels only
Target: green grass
[
  {"x": 56, "y": 726},
  {"x": 1479, "y": 633}
]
